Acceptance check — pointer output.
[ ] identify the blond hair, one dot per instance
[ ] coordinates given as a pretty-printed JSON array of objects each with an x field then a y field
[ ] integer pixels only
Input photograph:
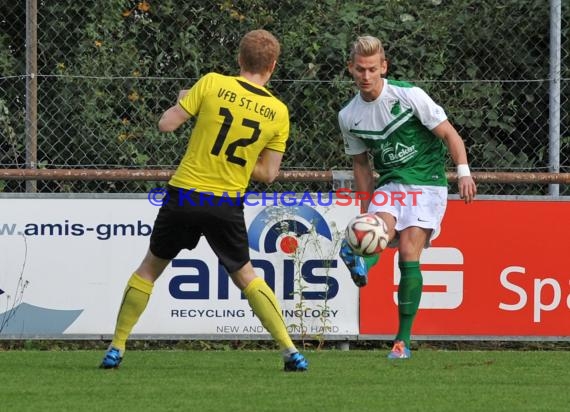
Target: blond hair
[
  {"x": 366, "y": 46},
  {"x": 258, "y": 50}
]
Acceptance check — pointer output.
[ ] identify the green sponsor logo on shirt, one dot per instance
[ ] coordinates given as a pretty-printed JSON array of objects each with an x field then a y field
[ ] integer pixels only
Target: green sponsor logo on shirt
[{"x": 396, "y": 109}]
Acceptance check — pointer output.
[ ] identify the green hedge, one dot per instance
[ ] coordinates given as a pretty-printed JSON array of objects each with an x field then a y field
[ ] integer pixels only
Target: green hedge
[{"x": 109, "y": 68}]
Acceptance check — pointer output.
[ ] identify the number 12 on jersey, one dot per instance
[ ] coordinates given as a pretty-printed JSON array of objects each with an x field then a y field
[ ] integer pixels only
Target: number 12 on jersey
[{"x": 242, "y": 142}]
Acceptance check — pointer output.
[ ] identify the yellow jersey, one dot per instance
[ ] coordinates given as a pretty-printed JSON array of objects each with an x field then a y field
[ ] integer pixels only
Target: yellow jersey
[{"x": 235, "y": 120}]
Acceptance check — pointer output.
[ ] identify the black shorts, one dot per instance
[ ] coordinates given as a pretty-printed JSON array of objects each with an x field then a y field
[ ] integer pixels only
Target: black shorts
[{"x": 186, "y": 216}]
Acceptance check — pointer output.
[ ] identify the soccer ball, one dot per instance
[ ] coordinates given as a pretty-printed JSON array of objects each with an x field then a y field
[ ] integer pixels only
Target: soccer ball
[{"x": 367, "y": 234}]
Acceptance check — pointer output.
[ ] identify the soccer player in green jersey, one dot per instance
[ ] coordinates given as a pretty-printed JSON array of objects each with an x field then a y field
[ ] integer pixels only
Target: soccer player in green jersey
[
  {"x": 408, "y": 136},
  {"x": 240, "y": 133}
]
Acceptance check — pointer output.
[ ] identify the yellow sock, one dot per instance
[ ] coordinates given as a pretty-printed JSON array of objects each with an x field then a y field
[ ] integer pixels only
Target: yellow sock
[
  {"x": 135, "y": 298},
  {"x": 265, "y": 306}
]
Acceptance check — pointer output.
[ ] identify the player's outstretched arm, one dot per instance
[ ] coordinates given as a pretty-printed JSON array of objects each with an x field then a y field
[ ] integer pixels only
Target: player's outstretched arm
[
  {"x": 363, "y": 177},
  {"x": 456, "y": 147},
  {"x": 172, "y": 119},
  {"x": 267, "y": 166},
  {"x": 175, "y": 116}
]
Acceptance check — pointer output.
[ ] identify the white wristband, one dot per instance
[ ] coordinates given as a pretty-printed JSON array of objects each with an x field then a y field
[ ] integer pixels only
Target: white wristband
[{"x": 463, "y": 170}]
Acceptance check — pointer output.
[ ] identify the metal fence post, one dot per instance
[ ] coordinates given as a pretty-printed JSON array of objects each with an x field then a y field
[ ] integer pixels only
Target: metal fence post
[
  {"x": 554, "y": 93},
  {"x": 31, "y": 90}
]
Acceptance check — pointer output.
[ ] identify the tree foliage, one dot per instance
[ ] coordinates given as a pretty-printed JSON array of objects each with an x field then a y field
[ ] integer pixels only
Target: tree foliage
[{"x": 109, "y": 68}]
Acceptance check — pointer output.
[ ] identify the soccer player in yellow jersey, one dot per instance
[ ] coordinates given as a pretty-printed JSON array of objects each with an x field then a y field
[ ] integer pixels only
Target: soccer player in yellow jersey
[{"x": 240, "y": 133}]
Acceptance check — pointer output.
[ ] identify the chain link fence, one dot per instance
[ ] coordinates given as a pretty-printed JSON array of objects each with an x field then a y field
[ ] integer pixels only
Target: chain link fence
[{"x": 106, "y": 71}]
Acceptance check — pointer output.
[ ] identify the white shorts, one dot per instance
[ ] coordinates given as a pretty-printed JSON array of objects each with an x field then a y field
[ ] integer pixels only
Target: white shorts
[{"x": 411, "y": 205}]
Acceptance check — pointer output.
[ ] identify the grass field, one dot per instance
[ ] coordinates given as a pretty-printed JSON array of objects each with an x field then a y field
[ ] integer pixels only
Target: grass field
[{"x": 247, "y": 380}]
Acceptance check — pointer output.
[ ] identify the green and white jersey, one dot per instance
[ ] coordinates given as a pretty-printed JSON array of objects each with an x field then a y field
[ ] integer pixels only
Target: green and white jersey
[{"x": 396, "y": 129}]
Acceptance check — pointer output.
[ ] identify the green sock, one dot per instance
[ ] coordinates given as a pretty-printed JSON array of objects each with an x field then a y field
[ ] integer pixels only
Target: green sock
[
  {"x": 409, "y": 295},
  {"x": 371, "y": 261}
]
